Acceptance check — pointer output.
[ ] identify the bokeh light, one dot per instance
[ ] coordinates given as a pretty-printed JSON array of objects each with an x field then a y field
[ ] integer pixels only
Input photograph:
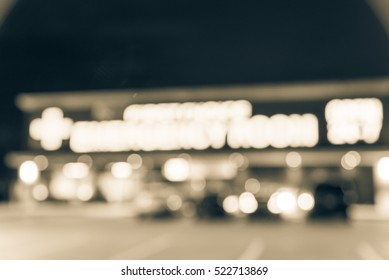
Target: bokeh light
[
  {"x": 29, "y": 172},
  {"x": 383, "y": 169},
  {"x": 121, "y": 170},
  {"x": 247, "y": 203},
  {"x": 231, "y": 204},
  {"x": 75, "y": 170},
  {"x": 350, "y": 160},
  {"x": 176, "y": 169},
  {"x": 40, "y": 192},
  {"x": 293, "y": 159},
  {"x": 306, "y": 201}
]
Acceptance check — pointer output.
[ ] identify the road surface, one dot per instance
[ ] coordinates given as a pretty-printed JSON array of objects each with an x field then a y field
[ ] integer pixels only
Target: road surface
[{"x": 72, "y": 236}]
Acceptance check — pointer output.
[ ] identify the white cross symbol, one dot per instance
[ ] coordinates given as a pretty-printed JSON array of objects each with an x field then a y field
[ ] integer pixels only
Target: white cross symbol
[{"x": 51, "y": 129}]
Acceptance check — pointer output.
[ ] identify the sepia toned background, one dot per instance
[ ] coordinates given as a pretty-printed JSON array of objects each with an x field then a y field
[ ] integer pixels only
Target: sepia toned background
[{"x": 194, "y": 130}]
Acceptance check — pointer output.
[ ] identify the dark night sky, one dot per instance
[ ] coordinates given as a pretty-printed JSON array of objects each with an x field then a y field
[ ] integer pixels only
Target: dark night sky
[{"x": 73, "y": 45}]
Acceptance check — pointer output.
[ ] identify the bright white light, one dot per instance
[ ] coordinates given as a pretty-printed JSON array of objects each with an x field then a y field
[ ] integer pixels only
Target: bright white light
[
  {"x": 252, "y": 185},
  {"x": 383, "y": 169},
  {"x": 176, "y": 169},
  {"x": 272, "y": 205},
  {"x": 121, "y": 170},
  {"x": 293, "y": 159},
  {"x": 75, "y": 170},
  {"x": 279, "y": 131},
  {"x": 247, "y": 203},
  {"x": 174, "y": 202},
  {"x": 40, "y": 192},
  {"x": 115, "y": 136},
  {"x": 135, "y": 160},
  {"x": 286, "y": 201},
  {"x": 28, "y": 172},
  {"x": 351, "y": 120},
  {"x": 231, "y": 204},
  {"x": 88, "y": 136},
  {"x": 351, "y": 160},
  {"x": 85, "y": 192},
  {"x": 51, "y": 129},
  {"x": 306, "y": 201},
  {"x": 240, "y": 109},
  {"x": 193, "y": 125}
]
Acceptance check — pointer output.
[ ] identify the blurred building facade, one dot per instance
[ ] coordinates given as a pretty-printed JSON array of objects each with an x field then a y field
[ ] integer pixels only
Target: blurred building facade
[{"x": 178, "y": 145}]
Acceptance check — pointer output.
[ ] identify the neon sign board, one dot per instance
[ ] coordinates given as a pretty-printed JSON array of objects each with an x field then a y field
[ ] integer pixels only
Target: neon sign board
[
  {"x": 176, "y": 126},
  {"x": 209, "y": 125},
  {"x": 51, "y": 129},
  {"x": 353, "y": 120}
]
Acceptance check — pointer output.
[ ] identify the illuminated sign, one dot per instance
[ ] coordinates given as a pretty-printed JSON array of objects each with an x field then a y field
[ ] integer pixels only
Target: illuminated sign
[
  {"x": 191, "y": 125},
  {"x": 278, "y": 131},
  {"x": 51, "y": 129},
  {"x": 353, "y": 120},
  {"x": 176, "y": 126},
  {"x": 189, "y": 111}
]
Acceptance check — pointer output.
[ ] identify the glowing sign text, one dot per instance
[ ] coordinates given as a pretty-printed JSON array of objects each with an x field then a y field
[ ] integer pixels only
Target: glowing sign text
[
  {"x": 51, "y": 129},
  {"x": 352, "y": 120},
  {"x": 190, "y": 125},
  {"x": 196, "y": 126}
]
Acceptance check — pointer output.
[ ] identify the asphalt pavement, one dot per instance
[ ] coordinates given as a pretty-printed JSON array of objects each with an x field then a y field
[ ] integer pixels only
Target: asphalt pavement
[{"x": 101, "y": 232}]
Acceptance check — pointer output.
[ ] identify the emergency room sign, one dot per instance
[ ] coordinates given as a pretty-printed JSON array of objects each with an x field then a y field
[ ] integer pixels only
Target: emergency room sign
[{"x": 204, "y": 125}]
